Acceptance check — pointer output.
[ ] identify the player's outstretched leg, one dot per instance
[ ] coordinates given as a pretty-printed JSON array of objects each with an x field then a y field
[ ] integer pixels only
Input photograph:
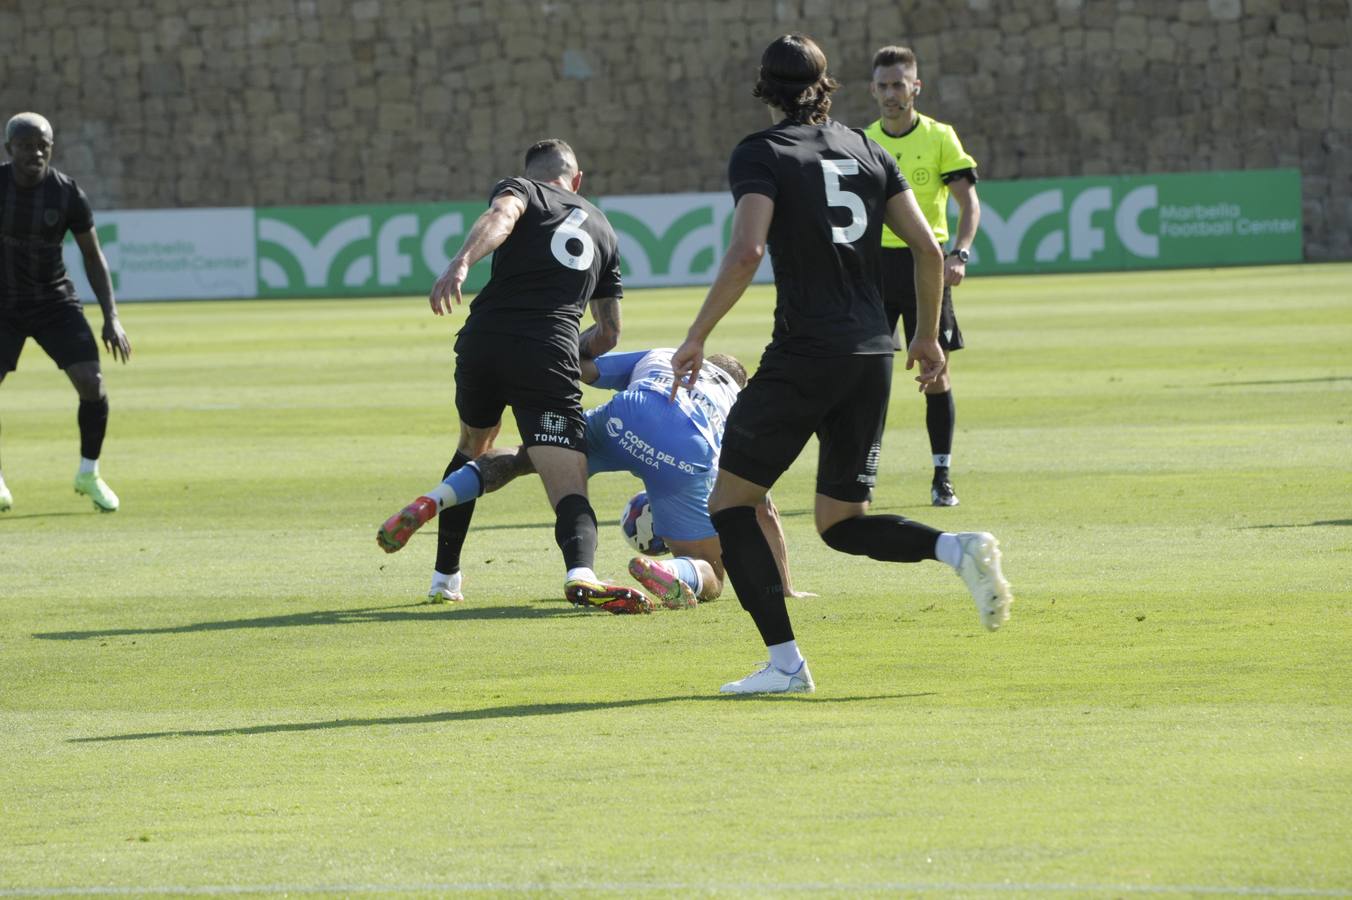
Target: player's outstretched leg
[
  {"x": 6, "y": 498},
  {"x": 660, "y": 581},
  {"x": 980, "y": 569},
  {"x": 398, "y": 528}
]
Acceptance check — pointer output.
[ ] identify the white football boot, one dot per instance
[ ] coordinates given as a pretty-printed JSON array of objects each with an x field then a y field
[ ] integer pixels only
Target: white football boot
[
  {"x": 769, "y": 680},
  {"x": 449, "y": 592},
  {"x": 980, "y": 568}
]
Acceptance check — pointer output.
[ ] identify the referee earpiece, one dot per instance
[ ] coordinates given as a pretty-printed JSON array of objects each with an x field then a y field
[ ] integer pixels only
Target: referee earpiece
[{"x": 916, "y": 91}]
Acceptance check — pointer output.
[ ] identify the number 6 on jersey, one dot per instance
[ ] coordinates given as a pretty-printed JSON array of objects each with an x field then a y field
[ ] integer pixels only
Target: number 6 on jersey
[{"x": 571, "y": 230}]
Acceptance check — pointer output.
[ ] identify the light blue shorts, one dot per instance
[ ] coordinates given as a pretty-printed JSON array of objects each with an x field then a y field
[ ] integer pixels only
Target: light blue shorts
[{"x": 641, "y": 432}]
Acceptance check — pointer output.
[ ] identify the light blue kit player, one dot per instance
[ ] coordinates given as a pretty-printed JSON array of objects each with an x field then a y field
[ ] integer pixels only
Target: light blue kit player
[{"x": 671, "y": 446}]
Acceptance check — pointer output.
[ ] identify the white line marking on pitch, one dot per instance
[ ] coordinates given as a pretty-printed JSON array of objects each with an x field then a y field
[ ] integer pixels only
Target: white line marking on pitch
[{"x": 633, "y": 887}]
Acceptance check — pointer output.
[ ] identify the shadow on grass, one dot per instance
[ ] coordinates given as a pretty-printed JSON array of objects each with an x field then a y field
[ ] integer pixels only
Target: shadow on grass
[
  {"x": 1323, "y": 380},
  {"x": 17, "y": 517},
  {"x": 1323, "y": 523},
  {"x": 473, "y": 715},
  {"x": 415, "y": 612}
]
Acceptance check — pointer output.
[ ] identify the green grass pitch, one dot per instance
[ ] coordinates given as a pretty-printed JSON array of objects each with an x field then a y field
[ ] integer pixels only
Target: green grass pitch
[{"x": 227, "y": 687}]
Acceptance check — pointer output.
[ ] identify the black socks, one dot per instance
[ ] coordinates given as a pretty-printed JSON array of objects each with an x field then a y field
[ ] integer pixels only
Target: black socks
[
  {"x": 93, "y": 420},
  {"x": 575, "y": 531},
  {"x": 888, "y": 538},
  {"x": 453, "y": 526},
  {"x": 751, "y": 569},
  {"x": 940, "y": 420}
]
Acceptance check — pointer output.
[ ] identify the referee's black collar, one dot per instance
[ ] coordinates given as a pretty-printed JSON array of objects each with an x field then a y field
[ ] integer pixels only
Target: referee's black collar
[{"x": 897, "y": 137}]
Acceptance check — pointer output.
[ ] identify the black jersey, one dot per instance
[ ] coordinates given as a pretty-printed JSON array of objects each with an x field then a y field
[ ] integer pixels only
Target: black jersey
[
  {"x": 561, "y": 254},
  {"x": 33, "y": 224},
  {"x": 830, "y": 185}
]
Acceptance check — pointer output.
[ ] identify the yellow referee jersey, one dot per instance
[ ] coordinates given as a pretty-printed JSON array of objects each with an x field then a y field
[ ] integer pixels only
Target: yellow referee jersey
[{"x": 925, "y": 154}]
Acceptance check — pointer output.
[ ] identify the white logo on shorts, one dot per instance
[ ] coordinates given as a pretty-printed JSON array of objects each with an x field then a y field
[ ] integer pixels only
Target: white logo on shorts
[
  {"x": 553, "y": 423},
  {"x": 614, "y": 426}
]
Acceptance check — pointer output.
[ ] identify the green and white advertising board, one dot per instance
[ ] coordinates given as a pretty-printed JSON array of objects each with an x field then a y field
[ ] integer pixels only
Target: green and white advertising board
[
  {"x": 1043, "y": 225},
  {"x": 1138, "y": 222},
  {"x": 335, "y": 251}
]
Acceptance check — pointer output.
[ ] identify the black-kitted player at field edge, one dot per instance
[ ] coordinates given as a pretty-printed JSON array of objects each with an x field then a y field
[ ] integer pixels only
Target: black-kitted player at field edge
[
  {"x": 553, "y": 252},
  {"x": 819, "y": 193},
  {"x": 38, "y": 205}
]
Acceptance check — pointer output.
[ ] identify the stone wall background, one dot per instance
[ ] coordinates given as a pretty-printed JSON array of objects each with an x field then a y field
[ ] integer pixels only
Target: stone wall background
[{"x": 180, "y": 103}]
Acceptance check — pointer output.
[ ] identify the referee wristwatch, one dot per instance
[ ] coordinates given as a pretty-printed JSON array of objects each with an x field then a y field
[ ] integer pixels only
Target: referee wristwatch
[{"x": 961, "y": 254}]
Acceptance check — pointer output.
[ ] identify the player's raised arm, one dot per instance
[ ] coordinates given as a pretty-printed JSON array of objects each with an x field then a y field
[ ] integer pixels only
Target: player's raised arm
[
  {"x": 750, "y": 227},
  {"x": 903, "y": 216},
  {"x": 487, "y": 235}
]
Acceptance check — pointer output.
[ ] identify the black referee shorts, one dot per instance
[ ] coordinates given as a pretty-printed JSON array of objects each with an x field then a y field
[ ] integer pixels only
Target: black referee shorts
[
  {"x": 537, "y": 380},
  {"x": 899, "y": 301},
  {"x": 841, "y": 399},
  {"x": 62, "y": 331}
]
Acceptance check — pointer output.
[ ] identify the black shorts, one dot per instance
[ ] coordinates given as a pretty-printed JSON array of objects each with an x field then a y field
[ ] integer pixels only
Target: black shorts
[
  {"x": 63, "y": 332},
  {"x": 841, "y": 399},
  {"x": 899, "y": 301},
  {"x": 538, "y": 381}
]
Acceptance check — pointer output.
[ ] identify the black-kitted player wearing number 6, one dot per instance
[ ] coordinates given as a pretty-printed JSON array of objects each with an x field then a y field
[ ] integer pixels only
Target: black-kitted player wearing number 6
[
  {"x": 553, "y": 252},
  {"x": 818, "y": 194}
]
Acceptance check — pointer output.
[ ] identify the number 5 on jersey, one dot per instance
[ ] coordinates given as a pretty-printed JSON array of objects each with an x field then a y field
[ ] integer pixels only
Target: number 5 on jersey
[
  {"x": 571, "y": 230},
  {"x": 832, "y": 169}
]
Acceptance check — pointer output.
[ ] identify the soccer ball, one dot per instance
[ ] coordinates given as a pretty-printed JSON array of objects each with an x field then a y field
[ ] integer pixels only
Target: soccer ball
[{"x": 636, "y": 523}]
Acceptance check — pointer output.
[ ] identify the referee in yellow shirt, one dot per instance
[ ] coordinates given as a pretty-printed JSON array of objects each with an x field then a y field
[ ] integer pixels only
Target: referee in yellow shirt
[{"x": 931, "y": 157}]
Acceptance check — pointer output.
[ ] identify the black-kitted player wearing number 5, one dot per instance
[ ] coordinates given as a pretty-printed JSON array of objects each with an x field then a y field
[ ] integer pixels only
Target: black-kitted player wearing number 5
[
  {"x": 818, "y": 193},
  {"x": 553, "y": 252}
]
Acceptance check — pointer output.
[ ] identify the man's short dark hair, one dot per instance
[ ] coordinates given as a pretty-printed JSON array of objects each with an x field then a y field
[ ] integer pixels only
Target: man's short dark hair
[
  {"x": 730, "y": 365},
  {"x": 894, "y": 56},
  {"x": 548, "y": 159},
  {"x": 793, "y": 79}
]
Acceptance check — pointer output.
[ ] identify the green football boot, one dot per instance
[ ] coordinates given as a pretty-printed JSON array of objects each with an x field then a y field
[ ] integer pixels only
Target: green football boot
[{"x": 94, "y": 487}]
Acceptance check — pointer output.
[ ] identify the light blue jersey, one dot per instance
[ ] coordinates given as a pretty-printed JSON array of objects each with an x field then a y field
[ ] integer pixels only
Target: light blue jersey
[{"x": 672, "y": 446}]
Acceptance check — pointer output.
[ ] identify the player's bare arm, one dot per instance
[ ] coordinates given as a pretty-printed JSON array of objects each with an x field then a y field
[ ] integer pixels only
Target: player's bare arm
[
  {"x": 767, "y": 516},
  {"x": 96, "y": 269},
  {"x": 969, "y": 207},
  {"x": 500, "y": 466},
  {"x": 604, "y": 333},
  {"x": 903, "y": 216},
  {"x": 489, "y": 231},
  {"x": 750, "y": 228}
]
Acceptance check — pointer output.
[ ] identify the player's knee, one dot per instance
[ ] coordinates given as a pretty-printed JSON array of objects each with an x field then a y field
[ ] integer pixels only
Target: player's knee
[
  {"x": 843, "y": 537},
  {"x": 88, "y": 384},
  {"x": 832, "y": 538}
]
